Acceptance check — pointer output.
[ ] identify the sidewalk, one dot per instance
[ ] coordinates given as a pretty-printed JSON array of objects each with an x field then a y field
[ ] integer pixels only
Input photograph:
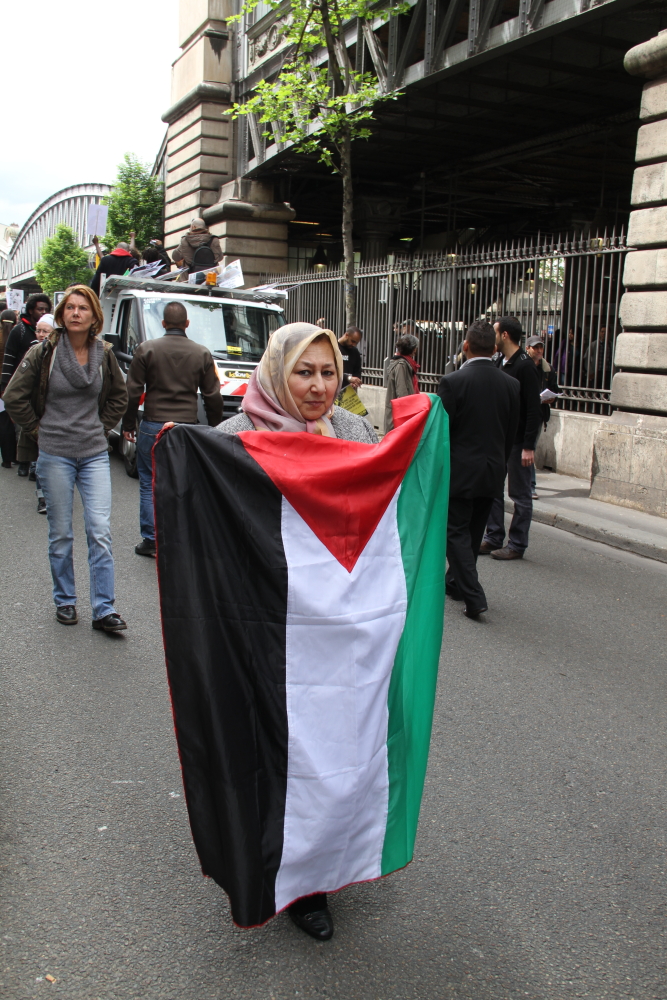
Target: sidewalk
[{"x": 564, "y": 503}]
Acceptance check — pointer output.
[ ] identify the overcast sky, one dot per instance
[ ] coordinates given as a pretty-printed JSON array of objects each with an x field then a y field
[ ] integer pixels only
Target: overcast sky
[{"x": 83, "y": 83}]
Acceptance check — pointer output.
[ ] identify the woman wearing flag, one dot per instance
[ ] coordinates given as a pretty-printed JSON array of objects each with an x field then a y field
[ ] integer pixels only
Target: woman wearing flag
[
  {"x": 293, "y": 389},
  {"x": 301, "y": 568},
  {"x": 294, "y": 386}
]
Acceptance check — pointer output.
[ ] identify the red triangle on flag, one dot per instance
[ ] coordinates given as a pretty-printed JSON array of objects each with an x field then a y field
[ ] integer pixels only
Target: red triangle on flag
[{"x": 341, "y": 488}]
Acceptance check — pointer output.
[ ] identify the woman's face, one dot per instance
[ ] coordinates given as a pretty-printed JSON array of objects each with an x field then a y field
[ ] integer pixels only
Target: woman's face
[
  {"x": 314, "y": 381},
  {"x": 78, "y": 316},
  {"x": 42, "y": 330}
]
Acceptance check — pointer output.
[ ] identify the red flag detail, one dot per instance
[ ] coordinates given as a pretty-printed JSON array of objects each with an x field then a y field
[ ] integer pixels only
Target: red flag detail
[{"x": 342, "y": 488}]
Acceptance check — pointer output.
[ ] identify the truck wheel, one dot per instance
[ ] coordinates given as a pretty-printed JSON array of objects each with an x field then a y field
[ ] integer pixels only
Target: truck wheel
[{"x": 129, "y": 452}]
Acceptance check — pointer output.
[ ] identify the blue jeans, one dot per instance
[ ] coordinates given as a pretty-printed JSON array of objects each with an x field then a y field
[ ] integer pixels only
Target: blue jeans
[
  {"x": 92, "y": 477},
  {"x": 148, "y": 431},
  {"x": 518, "y": 487},
  {"x": 38, "y": 486}
]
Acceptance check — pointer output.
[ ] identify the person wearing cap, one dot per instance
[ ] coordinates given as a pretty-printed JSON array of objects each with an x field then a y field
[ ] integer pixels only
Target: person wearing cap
[
  {"x": 548, "y": 380},
  {"x": 118, "y": 262},
  {"x": 198, "y": 238},
  {"x": 43, "y": 329}
]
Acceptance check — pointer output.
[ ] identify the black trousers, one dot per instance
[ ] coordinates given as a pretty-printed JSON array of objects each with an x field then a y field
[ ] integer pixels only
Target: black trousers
[
  {"x": 465, "y": 530},
  {"x": 7, "y": 438},
  {"x": 520, "y": 492}
]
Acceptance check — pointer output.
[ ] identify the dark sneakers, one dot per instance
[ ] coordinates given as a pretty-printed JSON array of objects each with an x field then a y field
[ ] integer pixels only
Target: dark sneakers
[
  {"x": 145, "y": 548},
  {"x": 23, "y": 469},
  {"x": 67, "y": 615},
  {"x": 110, "y": 623},
  {"x": 41, "y": 505}
]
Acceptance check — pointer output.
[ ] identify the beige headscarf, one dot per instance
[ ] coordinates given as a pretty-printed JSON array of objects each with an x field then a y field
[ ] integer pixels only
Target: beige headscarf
[{"x": 268, "y": 401}]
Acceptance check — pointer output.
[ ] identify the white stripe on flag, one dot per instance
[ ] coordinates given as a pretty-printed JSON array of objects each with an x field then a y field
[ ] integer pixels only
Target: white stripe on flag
[{"x": 343, "y": 630}]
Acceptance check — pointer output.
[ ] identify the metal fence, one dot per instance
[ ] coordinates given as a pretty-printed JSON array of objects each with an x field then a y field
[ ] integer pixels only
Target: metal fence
[{"x": 566, "y": 290}]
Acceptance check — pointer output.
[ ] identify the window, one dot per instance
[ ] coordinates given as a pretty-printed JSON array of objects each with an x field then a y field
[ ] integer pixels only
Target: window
[
  {"x": 128, "y": 327},
  {"x": 236, "y": 331}
]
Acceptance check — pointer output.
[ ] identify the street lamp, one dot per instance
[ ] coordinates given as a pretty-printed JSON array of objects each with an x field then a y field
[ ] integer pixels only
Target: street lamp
[{"x": 319, "y": 261}]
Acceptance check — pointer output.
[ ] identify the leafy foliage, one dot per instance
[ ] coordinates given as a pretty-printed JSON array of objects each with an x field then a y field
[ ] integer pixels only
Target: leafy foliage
[
  {"x": 317, "y": 107},
  {"x": 135, "y": 205},
  {"x": 321, "y": 106},
  {"x": 62, "y": 262}
]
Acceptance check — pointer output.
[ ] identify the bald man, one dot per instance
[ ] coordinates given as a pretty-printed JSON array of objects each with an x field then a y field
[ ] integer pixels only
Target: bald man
[{"x": 171, "y": 370}]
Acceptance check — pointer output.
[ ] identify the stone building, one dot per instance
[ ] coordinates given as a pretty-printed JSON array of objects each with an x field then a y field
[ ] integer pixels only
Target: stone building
[
  {"x": 201, "y": 175},
  {"x": 515, "y": 117},
  {"x": 630, "y": 457}
]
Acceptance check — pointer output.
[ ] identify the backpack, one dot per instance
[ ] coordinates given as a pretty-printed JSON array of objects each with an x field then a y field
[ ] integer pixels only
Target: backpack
[{"x": 203, "y": 257}]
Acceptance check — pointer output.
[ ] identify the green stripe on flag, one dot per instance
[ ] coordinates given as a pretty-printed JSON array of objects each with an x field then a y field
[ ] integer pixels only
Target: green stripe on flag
[{"x": 422, "y": 528}]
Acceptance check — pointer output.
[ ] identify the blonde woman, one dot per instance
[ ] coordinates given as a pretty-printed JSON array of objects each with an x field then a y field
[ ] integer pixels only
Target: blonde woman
[{"x": 67, "y": 393}]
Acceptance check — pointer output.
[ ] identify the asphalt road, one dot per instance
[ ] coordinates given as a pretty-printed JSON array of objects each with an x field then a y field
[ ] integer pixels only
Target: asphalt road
[{"x": 539, "y": 868}]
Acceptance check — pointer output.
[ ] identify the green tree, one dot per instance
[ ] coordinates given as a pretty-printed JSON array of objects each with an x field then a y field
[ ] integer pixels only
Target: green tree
[
  {"x": 135, "y": 205},
  {"x": 322, "y": 106},
  {"x": 62, "y": 261}
]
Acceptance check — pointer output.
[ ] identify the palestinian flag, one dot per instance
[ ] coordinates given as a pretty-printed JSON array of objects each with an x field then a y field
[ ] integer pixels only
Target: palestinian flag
[{"x": 302, "y": 593}]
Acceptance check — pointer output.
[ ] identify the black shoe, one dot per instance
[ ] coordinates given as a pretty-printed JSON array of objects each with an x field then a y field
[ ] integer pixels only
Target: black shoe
[
  {"x": 110, "y": 623},
  {"x": 319, "y": 923},
  {"x": 145, "y": 548},
  {"x": 7, "y": 465},
  {"x": 32, "y": 476},
  {"x": 453, "y": 592},
  {"x": 67, "y": 615},
  {"x": 474, "y": 612},
  {"x": 23, "y": 469},
  {"x": 41, "y": 505}
]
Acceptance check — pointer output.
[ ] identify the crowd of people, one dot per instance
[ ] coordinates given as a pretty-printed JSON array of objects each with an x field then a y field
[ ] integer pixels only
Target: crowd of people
[
  {"x": 494, "y": 424},
  {"x": 198, "y": 249}
]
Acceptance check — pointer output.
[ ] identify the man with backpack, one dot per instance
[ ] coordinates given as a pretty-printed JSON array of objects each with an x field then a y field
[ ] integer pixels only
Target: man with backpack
[{"x": 198, "y": 249}]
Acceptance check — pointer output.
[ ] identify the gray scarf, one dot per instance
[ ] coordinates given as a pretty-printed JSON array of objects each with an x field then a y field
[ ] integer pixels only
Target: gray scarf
[{"x": 79, "y": 376}]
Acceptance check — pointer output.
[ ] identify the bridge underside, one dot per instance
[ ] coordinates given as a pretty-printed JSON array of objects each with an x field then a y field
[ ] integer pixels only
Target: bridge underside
[{"x": 535, "y": 135}]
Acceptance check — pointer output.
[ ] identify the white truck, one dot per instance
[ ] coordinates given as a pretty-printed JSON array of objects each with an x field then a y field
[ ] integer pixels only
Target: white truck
[{"x": 234, "y": 324}]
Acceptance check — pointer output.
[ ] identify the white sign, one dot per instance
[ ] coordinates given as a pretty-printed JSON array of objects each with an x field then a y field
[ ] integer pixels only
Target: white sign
[
  {"x": 97, "y": 219},
  {"x": 15, "y": 299},
  {"x": 231, "y": 276}
]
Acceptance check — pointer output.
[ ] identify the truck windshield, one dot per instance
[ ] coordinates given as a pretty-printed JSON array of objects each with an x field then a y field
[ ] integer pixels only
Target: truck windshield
[{"x": 229, "y": 329}]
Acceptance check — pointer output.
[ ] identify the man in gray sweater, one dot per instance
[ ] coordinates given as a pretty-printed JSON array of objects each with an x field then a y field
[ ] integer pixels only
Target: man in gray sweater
[{"x": 171, "y": 370}]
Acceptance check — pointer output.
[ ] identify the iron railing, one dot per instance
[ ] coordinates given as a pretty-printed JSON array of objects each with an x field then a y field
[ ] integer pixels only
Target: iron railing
[{"x": 566, "y": 290}]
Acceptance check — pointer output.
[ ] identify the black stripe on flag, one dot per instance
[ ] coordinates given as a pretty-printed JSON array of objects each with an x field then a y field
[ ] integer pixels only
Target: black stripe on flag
[{"x": 223, "y": 594}]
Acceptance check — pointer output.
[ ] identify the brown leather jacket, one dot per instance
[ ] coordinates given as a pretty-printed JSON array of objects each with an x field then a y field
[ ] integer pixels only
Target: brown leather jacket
[{"x": 172, "y": 368}]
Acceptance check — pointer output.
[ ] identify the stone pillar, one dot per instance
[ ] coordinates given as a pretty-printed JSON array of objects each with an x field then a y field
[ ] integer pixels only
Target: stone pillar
[
  {"x": 201, "y": 161},
  {"x": 252, "y": 227},
  {"x": 199, "y": 138},
  {"x": 630, "y": 452}
]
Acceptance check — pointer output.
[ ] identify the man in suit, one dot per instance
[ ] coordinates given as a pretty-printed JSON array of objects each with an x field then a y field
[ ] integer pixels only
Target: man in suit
[{"x": 483, "y": 407}]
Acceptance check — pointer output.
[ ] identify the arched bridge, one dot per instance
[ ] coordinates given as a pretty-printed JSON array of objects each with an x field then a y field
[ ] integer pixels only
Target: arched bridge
[{"x": 69, "y": 206}]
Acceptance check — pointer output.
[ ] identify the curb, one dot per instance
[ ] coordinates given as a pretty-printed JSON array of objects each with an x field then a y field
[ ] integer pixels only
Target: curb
[{"x": 649, "y": 550}]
